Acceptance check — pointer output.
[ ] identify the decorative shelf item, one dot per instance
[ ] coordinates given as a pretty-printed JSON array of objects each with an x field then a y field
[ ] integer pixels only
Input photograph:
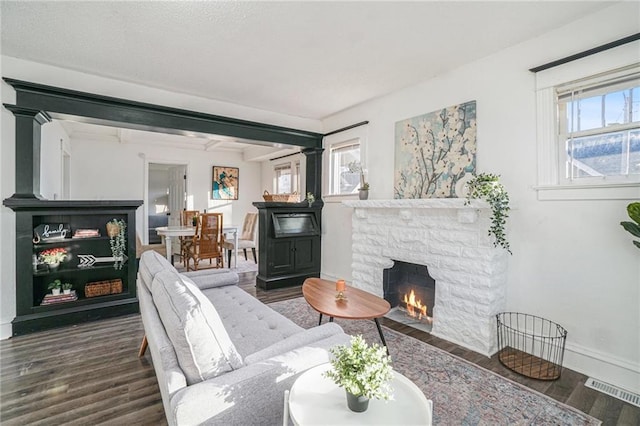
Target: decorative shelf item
[
  {"x": 51, "y": 299},
  {"x": 103, "y": 288}
]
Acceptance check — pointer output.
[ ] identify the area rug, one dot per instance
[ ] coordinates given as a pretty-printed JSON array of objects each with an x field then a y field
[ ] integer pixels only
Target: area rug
[{"x": 462, "y": 393}]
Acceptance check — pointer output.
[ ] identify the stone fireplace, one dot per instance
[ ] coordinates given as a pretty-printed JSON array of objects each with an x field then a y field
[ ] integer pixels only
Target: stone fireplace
[{"x": 451, "y": 241}]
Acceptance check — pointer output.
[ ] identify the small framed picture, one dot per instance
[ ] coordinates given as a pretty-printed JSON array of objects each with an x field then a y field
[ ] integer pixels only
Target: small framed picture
[{"x": 225, "y": 183}]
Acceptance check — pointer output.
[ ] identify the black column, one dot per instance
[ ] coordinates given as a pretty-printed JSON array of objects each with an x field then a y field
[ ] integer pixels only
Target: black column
[
  {"x": 314, "y": 171},
  {"x": 28, "y": 133}
]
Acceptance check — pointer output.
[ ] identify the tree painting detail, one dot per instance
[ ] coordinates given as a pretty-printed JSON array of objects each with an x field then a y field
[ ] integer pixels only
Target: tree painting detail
[{"x": 435, "y": 153}]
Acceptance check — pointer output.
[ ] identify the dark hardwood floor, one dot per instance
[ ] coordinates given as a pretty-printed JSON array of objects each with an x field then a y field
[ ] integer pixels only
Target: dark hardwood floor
[{"x": 90, "y": 374}]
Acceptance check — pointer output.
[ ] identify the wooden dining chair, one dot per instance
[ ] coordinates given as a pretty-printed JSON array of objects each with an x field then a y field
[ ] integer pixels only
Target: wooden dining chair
[
  {"x": 208, "y": 241},
  {"x": 186, "y": 219}
]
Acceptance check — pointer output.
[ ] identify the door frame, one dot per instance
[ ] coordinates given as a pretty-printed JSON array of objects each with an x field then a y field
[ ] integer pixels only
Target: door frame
[{"x": 145, "y": 205}]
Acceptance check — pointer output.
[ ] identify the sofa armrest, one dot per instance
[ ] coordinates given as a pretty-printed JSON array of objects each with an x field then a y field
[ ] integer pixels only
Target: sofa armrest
[
  {"x": 212, "y": 278},
  {"x": 252, "y": 394},
  {"x": 293, "y": 342}
]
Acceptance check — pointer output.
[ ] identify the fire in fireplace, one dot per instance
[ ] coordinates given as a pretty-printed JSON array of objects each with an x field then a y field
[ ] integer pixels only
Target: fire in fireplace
[{"x": 410, "y": 291}]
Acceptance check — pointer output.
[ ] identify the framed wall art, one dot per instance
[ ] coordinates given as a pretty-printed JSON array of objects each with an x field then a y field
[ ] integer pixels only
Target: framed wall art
[
  {"x": 225, "y": 183},
  {"x": 435, "y": 153}
]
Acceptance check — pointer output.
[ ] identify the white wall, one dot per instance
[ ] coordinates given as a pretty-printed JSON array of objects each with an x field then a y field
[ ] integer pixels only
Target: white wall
[
  {"x": 54, "y": 140},
  {"x": 125, "y": 176},
  {"x": 110, "y": 170},
  {"x": 572, "y": 262}
]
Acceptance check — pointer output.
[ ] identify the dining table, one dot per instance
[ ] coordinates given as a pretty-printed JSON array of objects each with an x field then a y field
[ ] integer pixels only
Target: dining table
[{"x": 171, "y": 232}]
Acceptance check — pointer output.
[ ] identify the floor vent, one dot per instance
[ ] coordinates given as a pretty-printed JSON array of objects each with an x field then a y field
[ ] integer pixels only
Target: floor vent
[{"x": 614, "y": 391}]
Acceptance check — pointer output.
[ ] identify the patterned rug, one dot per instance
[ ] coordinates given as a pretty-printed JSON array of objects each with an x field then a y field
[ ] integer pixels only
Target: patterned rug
[{"x": 462, "y": 393}]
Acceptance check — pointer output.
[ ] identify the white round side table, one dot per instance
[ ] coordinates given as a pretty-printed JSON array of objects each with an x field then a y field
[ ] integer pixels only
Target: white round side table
[{"x": 316, "y": 400}]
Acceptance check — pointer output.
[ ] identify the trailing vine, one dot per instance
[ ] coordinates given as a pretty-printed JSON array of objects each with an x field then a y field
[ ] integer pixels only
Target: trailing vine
[
  {"x": 486, "y": 186},
  {"x": 118, "y": 242}
]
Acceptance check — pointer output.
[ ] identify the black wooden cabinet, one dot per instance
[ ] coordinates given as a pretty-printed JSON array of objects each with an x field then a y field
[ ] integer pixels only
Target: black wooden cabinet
[
  {"x": 289, "y": 244},
  {"x": 32, "y": 281}
]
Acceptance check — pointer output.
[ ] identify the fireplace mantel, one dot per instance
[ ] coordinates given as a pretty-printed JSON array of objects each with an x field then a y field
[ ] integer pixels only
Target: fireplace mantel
[
  {"x": 418, "y": 203},
  {"x": 465, "y": 213}
]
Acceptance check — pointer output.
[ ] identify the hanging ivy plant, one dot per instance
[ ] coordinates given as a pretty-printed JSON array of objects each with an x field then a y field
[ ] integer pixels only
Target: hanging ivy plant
[
  {"x": 487, "y": 187},
  {"x": 118, "y": 241}
]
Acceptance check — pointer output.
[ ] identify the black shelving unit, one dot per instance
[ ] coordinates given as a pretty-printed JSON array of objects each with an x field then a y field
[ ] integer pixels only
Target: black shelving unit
[{"x": 32, "y": 283}]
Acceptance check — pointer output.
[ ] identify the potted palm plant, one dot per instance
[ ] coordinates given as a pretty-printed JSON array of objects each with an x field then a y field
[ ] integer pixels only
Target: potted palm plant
[{"x": 363, "y": 371}]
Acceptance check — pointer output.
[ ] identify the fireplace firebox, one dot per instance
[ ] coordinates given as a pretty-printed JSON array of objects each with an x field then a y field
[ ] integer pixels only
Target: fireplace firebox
[{"x": 411, "y": 292}]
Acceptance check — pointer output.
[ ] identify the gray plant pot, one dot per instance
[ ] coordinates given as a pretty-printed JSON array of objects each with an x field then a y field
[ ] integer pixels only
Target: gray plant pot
[
  {"x": 358, "y": 404},
  {"x": 363, "y": 194}
]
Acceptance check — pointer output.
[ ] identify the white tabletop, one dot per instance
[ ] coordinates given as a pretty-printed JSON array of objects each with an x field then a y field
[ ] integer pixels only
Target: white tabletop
[
  {"x": 176, "y": 231},
  {"x": 316, "y": 400}
]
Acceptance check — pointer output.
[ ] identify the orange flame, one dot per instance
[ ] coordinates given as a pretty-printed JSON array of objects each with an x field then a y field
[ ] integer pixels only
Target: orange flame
[{"x": 415, "y": 308}]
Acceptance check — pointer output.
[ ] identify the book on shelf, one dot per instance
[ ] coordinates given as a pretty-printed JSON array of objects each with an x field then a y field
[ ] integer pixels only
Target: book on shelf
[
  {"x": 86, "y": 233},
  {"x": 50, "y": 299}
]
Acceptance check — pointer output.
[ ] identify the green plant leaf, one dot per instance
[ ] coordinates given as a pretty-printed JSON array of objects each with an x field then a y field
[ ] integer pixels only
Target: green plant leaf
[
  {"x": 632, "y": 228},
  {"x": 637, "y": 243},
  {"x": 633, "y": 210}
]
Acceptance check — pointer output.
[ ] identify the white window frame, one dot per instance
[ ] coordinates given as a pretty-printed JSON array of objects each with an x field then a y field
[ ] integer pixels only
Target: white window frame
[
  {"x": 354, "y": 135},
  {"x": 551, "y": 184},
  {"x": 276, "y": 169}
]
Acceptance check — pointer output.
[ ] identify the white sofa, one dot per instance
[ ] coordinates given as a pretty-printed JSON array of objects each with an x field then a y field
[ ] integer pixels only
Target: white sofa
[{"x": 220, "y": 355}]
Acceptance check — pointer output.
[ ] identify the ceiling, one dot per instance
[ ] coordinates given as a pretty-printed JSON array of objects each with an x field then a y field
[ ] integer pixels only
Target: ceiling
[{"x": 305, "y": 59}]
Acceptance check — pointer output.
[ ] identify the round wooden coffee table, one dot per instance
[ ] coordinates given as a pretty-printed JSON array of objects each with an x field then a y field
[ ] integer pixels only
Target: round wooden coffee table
[
  {"x": 321, "y": 295},
  {"x": 316, "y": 400}
]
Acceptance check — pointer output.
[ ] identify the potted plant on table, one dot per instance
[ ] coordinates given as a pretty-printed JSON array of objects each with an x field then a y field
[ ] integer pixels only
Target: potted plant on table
[
  {"x": 310, "y": 198},
  {"x": 53, "y": 257},
  {"x": 363, "y": 371},
  {"x": 66, "y": 288}
]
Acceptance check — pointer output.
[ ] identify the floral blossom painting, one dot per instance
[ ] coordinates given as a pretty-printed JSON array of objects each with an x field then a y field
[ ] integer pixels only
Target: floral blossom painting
[{"x": 435, "y": 153}]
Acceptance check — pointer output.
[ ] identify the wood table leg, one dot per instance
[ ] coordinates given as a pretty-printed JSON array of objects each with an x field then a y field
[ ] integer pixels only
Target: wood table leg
[
  {"x": 381, "y": 335},
  {"x": 143, "y": 346}
]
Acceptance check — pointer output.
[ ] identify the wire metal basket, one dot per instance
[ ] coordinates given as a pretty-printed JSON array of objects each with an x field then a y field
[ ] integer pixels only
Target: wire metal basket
[{"x": 530, "y": 345}]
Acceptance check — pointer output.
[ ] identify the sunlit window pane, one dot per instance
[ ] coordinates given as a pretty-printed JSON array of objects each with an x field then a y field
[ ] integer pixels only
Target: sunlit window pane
[
  {"x": 590, "y": 113},
  {"x": 345, "y": 176},
  {"x": 635, "y": 104},
  {"x": 602, "y": 155},
  {"x": 615, "y": 111}
]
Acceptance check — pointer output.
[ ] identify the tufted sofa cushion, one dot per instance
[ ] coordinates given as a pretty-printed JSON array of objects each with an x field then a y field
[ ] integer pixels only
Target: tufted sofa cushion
[
  {"x": 251, "y": 325},
  {"x": 201, "y": 343}
]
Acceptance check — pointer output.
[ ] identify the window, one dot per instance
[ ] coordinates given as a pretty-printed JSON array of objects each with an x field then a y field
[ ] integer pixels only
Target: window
[
  {"x": 599, "y": 128},
  {"x": 588, "y": 127},
  {"x": 345, "y": 168},
  {"x": 343, "y": 161},
  {"x": 287, "y": 180},
  {"x": 283, "y": 178}
]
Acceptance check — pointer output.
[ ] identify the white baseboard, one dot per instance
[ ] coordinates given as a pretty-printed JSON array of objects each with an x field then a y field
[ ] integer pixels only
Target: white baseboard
[
  {"x": 5, "y": 330},
  {"x": 602, "y": 366}
]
